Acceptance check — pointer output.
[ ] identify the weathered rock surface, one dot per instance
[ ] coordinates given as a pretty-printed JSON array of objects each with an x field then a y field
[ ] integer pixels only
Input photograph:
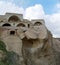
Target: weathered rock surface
[
  {"x": 27, "y": 42},
  {"x": 40, "y": 48}
]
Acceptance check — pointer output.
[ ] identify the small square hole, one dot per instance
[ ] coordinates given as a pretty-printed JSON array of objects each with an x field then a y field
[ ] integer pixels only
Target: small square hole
[{"x": 12, "y": 32}]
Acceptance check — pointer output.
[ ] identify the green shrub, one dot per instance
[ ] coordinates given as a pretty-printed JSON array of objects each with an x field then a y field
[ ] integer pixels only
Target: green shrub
[{"x": 2, "y": 46}]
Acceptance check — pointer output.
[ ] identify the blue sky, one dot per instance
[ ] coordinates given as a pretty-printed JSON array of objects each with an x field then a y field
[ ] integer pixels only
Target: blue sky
[
  {"x": 49, "y": 10},
  {"x": 47, "y": 4}
]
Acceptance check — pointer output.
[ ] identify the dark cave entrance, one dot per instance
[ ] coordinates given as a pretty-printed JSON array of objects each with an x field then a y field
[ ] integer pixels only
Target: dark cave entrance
[{"x": 12, "y": 32}]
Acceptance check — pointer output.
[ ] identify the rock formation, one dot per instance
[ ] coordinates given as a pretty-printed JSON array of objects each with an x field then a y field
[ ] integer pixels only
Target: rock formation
[
  {"x": 28, "y": 42},
  {"x": 39, "y": 47}
]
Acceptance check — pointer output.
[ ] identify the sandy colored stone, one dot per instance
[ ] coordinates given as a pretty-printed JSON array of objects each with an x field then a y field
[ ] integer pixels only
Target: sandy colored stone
[{"x": 31, "y": 40}]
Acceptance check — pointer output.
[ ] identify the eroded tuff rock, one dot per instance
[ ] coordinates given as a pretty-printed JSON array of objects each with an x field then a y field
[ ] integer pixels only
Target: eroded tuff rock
[
  {"x": 27, "y": 42},
  {"x": 39, "y": 47}
]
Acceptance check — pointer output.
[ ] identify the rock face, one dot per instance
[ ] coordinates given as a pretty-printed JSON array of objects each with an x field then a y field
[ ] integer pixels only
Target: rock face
[
  {"x": 28, "y": 42},
  {"x": 39, "y": 47}
]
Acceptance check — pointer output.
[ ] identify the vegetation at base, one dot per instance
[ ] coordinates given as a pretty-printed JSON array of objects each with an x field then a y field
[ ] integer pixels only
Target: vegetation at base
[
  {"x": 10, "y": 58},
  {"x": 2, "y": 46}
]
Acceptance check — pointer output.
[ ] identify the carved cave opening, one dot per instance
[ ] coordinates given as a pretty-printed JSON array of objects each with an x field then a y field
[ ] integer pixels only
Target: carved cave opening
[
  {"x": 6, "y": 24},
  {"x": 21, "y": 25},
  {"x": 37, "y": 24},
  {"x": 14, "y": 18},
  {"x": 12, "y": 32},
  {"x": 28, "y": 25}
]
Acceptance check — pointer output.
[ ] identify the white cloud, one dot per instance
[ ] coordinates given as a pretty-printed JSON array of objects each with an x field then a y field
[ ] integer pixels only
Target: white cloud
[
  {"x": 9, "y": 7},
  {"x": 57, "y": 7},
  {"x": 53, "y": 23},
  {"x": 34, "y": 12}
]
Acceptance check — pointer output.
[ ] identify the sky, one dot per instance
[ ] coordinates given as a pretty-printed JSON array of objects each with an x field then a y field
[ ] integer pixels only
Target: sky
[{"x": 49, "y": 10}]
